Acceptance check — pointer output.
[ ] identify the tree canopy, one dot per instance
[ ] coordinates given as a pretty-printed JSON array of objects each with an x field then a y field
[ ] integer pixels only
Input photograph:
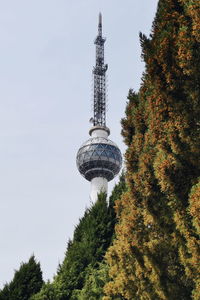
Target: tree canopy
[
  {"x": 27, "y": 281},
  {"x": 156, "y": 252}
]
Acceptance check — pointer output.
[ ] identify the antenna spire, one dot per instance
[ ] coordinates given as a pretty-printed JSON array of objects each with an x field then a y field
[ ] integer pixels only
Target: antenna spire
[
  {"x": 100, "y": 25},
  {"x": 99, "y": 73}
]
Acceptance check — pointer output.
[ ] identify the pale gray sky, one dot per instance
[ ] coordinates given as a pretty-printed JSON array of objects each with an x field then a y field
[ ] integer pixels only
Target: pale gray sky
[{"x": 46, "y": 59}]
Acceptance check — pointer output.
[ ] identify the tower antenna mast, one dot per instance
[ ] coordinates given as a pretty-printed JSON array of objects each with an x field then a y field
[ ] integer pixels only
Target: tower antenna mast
[{"x": 99, "y": 75}]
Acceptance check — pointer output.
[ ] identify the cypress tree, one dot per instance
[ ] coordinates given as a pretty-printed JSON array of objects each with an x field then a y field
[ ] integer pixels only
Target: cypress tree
[
  {"x": 96, "y": 275},
  {"x": 91, "y": 238},
  {"x": 88, "y": 247},
  {"x": 27, "y": 281},
  {"x": 156, "y": 253},
  {"x": 83, "y": 272}
]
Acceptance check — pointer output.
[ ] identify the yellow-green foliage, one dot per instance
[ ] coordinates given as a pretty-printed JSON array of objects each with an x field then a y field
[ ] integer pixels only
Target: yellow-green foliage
[{"x": 156, "y": 253}]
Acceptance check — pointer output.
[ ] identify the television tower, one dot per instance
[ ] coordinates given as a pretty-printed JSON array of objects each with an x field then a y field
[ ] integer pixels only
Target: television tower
[{"x": 99, "y": 160}]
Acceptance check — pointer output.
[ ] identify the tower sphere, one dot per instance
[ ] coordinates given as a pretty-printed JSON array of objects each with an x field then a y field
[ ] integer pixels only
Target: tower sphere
[{"x": 99, "y": 157}]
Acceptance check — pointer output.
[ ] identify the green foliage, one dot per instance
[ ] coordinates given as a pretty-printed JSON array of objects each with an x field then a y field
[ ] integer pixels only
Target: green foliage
[
  {"x": 95, "y": 279},
  {"x": 27, "y": 281},
  {"x": 49, "y": 291},
  {"x": 83, "y": 272},
  {"x": 91, "y": 239}
]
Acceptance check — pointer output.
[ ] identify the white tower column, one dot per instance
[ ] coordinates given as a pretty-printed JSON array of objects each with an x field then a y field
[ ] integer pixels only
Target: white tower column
[{"x": 98, "y": 185}]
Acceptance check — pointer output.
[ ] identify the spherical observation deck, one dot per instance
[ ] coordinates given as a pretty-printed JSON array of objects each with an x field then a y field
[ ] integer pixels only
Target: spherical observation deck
[{"x": 99, "y": 157}]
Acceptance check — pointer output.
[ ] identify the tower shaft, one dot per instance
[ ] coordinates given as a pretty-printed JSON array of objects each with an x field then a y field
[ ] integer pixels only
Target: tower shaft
[
  {"x": 98, "y": 185},
  {"x": 99, "y": 75}
]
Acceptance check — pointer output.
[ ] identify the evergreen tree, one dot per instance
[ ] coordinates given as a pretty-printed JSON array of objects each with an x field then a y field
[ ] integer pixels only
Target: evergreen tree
[
  {"x": 96, "y": 275},
  {"x": 83, "y": 271},
  {"x": 27, "y": 281},
  {"x": 156, "y": 253},
  {"x": 91, "y": 239}
]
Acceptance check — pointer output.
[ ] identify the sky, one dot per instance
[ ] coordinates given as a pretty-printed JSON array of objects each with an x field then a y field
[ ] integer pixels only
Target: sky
[{"x": 46, "y": 59}]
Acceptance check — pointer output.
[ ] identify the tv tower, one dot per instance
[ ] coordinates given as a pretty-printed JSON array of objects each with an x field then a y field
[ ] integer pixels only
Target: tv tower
[{"x": 99, "y": 160}]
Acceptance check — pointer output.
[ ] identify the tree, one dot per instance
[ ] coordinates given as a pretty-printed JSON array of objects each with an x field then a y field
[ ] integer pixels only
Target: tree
[
  {"x": 83, "y": 265},
  {"x": 27, "y": 281},
  {"x": 96, "y": 275},
  {"x": 156, "y": 253},
  {"x": 91, "y": 239}
]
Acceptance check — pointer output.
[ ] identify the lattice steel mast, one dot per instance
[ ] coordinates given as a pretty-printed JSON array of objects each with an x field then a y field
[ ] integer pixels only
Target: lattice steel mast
[{"x": 99, "y": 73}]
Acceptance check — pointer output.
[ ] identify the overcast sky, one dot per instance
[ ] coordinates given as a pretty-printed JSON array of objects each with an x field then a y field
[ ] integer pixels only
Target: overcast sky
[{"x": 46, "y": 59}]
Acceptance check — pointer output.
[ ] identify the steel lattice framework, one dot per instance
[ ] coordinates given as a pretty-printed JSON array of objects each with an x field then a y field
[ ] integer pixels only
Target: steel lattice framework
[{"x": 99, "y": 73}]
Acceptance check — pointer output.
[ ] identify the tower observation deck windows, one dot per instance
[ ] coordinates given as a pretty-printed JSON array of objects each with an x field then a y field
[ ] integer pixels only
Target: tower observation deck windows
[{"x": 99, "y": 157}]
